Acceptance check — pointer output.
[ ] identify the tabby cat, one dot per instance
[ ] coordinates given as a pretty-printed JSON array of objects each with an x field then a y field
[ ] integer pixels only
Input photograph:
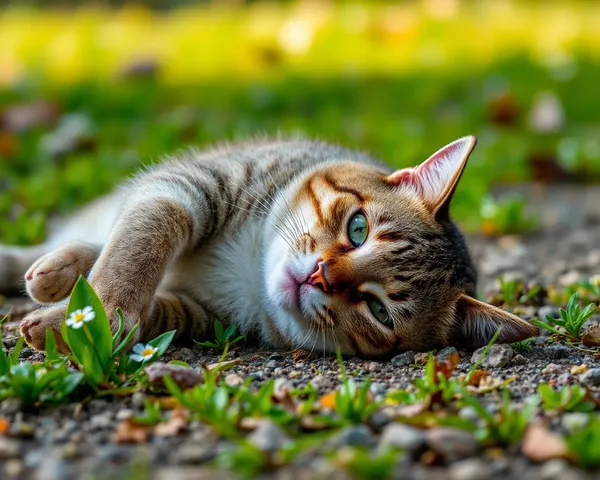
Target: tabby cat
[{"x": 301, "y": 243}]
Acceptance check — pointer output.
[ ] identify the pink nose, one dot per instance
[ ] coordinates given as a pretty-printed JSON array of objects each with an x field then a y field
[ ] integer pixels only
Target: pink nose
[{"x": 318, "y": 278}]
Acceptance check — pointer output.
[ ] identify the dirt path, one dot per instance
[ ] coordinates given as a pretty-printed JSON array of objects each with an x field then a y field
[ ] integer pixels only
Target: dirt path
[{"x": 73, "y": 442}]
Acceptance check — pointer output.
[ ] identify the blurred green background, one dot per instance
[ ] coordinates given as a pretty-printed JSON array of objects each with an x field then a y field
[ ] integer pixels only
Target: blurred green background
[{"x": 90, "y": 92}]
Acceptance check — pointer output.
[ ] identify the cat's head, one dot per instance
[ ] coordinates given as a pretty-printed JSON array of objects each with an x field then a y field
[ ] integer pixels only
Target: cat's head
[{"x": 370, "y": 262}]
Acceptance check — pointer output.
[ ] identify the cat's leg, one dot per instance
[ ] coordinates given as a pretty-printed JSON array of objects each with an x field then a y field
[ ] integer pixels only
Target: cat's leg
[
  {"x": 52, "y": 277},
  {"x": 14, "y": 261},
  {"x": 153, "y": 230}
]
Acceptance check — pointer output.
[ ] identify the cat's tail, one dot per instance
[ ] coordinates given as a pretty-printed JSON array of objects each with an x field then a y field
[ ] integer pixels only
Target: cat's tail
[{"x": 14, "y": 262}]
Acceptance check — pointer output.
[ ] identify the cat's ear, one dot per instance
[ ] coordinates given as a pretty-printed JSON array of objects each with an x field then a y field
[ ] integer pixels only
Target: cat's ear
[
  {"x": 435, "y": 179},
  {"x": 476, "y": 323}
]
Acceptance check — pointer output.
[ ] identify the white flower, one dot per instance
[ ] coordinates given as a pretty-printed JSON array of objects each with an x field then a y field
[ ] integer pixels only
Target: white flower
[
  {"x": 79, "y": 317},
  {"x": 143, "y": 353}
]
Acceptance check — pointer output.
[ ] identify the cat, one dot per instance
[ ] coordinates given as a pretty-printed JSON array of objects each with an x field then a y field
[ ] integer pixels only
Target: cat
[{"x": 303, "y": 244}]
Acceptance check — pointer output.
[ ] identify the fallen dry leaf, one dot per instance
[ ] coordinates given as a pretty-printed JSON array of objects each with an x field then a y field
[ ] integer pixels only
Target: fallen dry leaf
[
  {"x": 591, "y": 338},
  {"x": 308, "y": 422},
  {"x": 173, "y": 426},
  {"x": 477, "y": 377},
  {"x": 328, "y": 400},
  {"x": 222, "y": 366},
  {"x": 540, "y": 444},
  {"x": 4, "y": 426},
  {"x": 447, "y": 367},
  {"x": 579, "y": 369},
  {"x": 129, "y": 431}
]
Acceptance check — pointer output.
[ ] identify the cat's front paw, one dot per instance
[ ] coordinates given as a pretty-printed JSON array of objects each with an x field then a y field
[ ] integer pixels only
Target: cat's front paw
[{"x": 33, "y": 327}]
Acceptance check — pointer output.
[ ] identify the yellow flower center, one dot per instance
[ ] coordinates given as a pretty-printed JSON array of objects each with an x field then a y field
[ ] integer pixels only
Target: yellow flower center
[
  {"x": 147, "y": 351},
  {"x": 78, "y": 317}
]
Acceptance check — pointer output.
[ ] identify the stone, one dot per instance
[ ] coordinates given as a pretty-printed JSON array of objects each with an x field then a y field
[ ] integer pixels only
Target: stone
[
  {"x": 294, "y": 374},
  {"x": 124, "y": 414},
  {"x": 518, "y": 360},
  {"x": 405, "y": 358},
  {"x": 591, "y": 377},
  {"x": 450, "y": 443},
  {"x": 272, "y": 364},
  {"x": 557, "y": 352},
  {"x": 268, "y": 437},
  {"x": 497, "y": 357},
  {"x": 137, "y": 400},
  {"x": 195, "y": 453},
  {"x": 402, "y": 436},
  {"x": 233, "y": 380},
  {"x": 184, "y": 377},
  {"x": 9, "y": 448},
  {"x": 101, "y": 422},
  {"x": 552, "y": 369},
  {"x": 318, "y": 381},
  {"x": 373, "y": 367},
  {"x": 354, "y": 436},
  {"x": 444, "y": 353},
  {"x": 469, "y": 469}
]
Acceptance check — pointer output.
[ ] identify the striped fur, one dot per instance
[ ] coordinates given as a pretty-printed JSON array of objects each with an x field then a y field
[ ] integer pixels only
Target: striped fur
[{"x": 235, "y": 233}]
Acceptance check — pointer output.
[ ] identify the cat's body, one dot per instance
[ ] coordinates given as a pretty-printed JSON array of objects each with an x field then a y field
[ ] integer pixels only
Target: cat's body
[{"x": 264, "y": 235}]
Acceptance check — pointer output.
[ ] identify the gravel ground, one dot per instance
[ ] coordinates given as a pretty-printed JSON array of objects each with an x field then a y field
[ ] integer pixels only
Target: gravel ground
[{"x": 75, "y": 441}]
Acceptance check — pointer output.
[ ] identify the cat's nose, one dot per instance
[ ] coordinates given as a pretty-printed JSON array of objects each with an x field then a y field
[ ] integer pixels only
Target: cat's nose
[{"x": 318, "y": 278}]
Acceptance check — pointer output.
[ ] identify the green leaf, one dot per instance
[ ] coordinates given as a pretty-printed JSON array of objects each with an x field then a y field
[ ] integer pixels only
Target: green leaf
[
  {"x": 52, "y": 354},
  {"x": 119, "y": 331},
  {"x": 229, "y": 332},
  {"x": 16, "y": 353},
  {"x": 92, "y": 369},
  {"x": 99, "y": 328},
  {"x": 161, "y": 343},
  {"x": 218, "y": 330},
  {"x": 126, "y": 341}
]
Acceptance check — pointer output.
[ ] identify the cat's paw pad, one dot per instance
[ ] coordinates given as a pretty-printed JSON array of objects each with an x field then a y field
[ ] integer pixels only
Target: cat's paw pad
[
  {"x": 33, "y": 327},
  {"x": 52, "y": 277}
]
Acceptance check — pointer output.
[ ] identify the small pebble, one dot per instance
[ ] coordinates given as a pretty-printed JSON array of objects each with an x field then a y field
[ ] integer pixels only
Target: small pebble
[
  {"x": 405, "y": 358},
  {"x": 498, "y": 356},
  {"x": 373, "y": 367},
  {"x": 469, "y": 469},
  {"x": 295, "y": 374},
  {"x": 444, "y": 353},
  {"x": 268, "y": 437},
  {"x": 552, "y": 369},
  {"x": 354, "y": 436},
  {"x": 591, "y": 377},
  {"x": 574, "y": 421},
  {"x": 518, "y": 360},
  {"x": 450, "y": 443},
  {"x": 318, "y": 381},
  {"x": 137, "y": 400},
  {"x": 124, "y": 414},
  {"x": 233, "y": 380},
  {"x": 272, "y": 364},
  {"x": 402, "y": 436}
]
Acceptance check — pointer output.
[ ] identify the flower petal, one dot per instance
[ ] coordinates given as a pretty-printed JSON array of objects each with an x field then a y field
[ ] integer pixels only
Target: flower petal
[
  {"x": 138, "y": 348},
  {"x": 87, "y": 310},
  {"x": 136, "y": 358}
]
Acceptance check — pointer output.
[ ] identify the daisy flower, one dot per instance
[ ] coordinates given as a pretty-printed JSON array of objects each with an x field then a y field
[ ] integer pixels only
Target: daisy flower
[
  {"x": 143, "y": 353},
  {"x": 79, "y": 317}
]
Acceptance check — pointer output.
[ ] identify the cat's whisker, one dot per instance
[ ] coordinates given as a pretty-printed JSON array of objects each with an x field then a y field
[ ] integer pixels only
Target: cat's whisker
[
  {"x": 277, "y": 229},
  {"x": 292, "y": 212},
  {"x": 267, "y": 206}
]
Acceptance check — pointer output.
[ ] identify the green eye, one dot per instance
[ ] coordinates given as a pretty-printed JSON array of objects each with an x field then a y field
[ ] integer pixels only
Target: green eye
[
  {"x": 358, "y": 229},
  {"x": 379, "y": 312}
]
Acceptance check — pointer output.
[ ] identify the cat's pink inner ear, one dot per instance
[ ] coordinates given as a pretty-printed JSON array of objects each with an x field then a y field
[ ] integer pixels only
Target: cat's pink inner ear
[
  {"x": 476, "y": 323},
  {"x": 436, "y": 178}
]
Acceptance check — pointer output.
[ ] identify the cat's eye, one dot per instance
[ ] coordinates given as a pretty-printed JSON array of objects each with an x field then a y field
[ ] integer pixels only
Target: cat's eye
[
  {"x": 379, "y": 312},
  {"x": 358, "y": 229}
]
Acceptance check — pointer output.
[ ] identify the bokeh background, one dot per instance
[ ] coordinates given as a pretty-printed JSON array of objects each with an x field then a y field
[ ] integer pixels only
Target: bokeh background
[{"x": 90, "y": 92}]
